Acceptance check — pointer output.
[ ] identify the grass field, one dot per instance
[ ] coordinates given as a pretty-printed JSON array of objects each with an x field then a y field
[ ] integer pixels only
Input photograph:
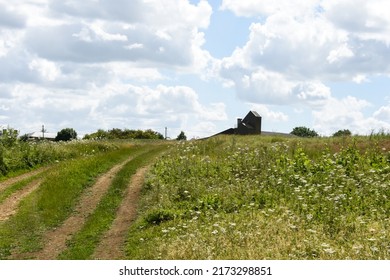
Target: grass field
[
  {"x": 267, "y": 198},
  {"x": 228, "y": 197}
]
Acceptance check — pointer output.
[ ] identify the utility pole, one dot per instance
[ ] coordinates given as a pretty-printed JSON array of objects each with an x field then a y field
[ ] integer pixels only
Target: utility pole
[
  {"x": 166, "y": 133},
  {"x": 43, "y": 131}
]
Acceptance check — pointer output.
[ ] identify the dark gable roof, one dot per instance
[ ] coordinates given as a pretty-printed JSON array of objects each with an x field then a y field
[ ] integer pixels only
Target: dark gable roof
[{"x": 255, "y": 113}]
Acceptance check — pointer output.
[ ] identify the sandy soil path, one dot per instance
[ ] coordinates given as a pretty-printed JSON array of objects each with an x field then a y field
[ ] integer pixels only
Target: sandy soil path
[
  {"x": 56, "y": 239},
  {"x": 9, "y": 206},
  {"x": 112, "y": 245}
]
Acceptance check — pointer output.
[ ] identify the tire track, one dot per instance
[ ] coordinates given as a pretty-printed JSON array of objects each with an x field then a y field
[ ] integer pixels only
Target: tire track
[
  {"x": 9, "y": 182},
  {"x": 112, "y": 244},
  {"x": 55, "y": 240},
  {"x": 10, "y": 205}
]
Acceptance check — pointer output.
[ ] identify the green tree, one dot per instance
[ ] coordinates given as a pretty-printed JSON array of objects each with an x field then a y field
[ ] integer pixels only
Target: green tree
[
  {"x": 181, "y": 136},
  {"x": 302, "y": 131},
  {"x": 344, "y": 132},
  {"x": 66, "y": 134}
]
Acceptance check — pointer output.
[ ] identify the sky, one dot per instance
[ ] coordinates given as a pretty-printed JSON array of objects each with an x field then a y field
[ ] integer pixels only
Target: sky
[{"x": 194, "y": 65}]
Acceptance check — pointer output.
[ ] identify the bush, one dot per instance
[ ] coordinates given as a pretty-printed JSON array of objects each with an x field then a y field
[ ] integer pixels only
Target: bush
[
  {"x": 302, "y": 131},
  {"x": 117, "y": 133},
  {"x": 340, "y": 133},
  {"x": 181, "y": 136}
]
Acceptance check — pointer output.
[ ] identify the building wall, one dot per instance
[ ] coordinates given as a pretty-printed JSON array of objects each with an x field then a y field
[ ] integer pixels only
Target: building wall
[{"x": 251, "y": 124}]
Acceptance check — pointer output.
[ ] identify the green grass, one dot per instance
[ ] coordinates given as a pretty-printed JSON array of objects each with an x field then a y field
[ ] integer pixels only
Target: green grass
[
  {"x": 267, "y": 198},
  {"x": 6, "y": 193},
  {"x": 49, "y": 206},
  {"x": 83, "y": 243},
  {"x": 23, "y": 156}
]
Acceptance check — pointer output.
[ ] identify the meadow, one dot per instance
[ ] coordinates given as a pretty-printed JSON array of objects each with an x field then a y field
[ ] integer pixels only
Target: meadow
[{"x": 251, "y": 197}]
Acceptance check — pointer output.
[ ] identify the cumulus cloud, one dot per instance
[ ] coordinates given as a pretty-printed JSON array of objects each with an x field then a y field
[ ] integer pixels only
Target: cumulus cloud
[
  {"x": 99, "y": 31},
  {"x": 114, "y": 105},
  {"x": 296, "y": 48},
  {"x": 347, "y": 113},
  {"x": 268, "y": 114},
  {"x": 10, "y": 17},
  {"x": 95, "y": 63},
  {"x": 253, "y": 8}
]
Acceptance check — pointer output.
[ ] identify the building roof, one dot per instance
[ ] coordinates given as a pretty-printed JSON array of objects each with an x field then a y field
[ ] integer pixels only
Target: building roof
[
  {"x": 38, "y": 134},
  {"x": 255, "y": 113}
]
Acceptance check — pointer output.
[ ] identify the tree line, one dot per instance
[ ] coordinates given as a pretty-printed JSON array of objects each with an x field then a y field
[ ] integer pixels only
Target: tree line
[{"x": 303, "y": 131}]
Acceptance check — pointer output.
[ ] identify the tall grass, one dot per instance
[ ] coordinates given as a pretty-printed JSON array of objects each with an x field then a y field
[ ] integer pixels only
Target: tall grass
[
  {"x": 20, "y": 156},
  {"x": 267, "y": 198}
]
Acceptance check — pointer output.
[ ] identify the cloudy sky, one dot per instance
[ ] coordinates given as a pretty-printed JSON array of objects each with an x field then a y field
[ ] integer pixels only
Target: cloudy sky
[{"x": 194, "y": 65}]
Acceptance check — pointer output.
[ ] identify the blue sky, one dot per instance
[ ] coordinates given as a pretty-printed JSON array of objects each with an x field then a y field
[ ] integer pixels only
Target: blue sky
[{"x": 194, "y": 65}]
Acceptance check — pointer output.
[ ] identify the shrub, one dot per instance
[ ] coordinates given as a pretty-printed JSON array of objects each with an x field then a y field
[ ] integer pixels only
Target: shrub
[
  {"x": 344, "y": 132},
  {"x": 302, "y": 131},
  {"x": 181, "y": 136}
]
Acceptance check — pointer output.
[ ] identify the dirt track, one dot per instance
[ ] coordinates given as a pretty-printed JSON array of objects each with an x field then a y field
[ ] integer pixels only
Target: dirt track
[
  {"x": 111, "y": 247},
  {"x": 112, "y": 243},
  {"x": 7, "y": 183},
  {"x": 56, "y": 239},
  {"x": 10, "y": 205}
]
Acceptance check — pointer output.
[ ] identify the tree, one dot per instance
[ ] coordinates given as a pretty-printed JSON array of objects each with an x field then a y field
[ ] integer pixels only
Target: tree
[
  {"x": 344, "y": 132},
  {"x": 302, "y": 131},
  {"x": 66, "y": 134},
  {"x": 181, "y": 136}
]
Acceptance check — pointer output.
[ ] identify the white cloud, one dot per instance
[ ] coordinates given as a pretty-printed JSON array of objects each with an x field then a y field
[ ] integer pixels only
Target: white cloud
[
  {"x": 338, "y": 54},
  {"x": 47, "y": 70},
  {"x": 269, "y": 115},
  {"x": 295, "y": 48},
  {"x": 347, "y": 113},
  {"x": 383, "y": 114},
  {"x": 368, "y": 20},
  {"x": 10, "y": 18},
  {"x": 114, "y": 105},
  {"x": 252, "y": 8}
]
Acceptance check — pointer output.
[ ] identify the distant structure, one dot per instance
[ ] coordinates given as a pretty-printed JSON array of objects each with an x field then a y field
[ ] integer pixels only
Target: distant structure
[
  {"x": 41, "y": 136},
  {"x": 251, "y": 124}
]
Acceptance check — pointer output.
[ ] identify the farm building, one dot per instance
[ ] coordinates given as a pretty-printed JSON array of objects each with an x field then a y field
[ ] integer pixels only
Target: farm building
[
  {"x": 40, "y": 136},
  {"x": 251, "y": 124}
]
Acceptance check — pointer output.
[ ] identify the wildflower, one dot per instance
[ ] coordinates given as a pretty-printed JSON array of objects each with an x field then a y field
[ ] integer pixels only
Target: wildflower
[
  {"x": 214, "y": 232},
  {"x": 374, "y": 249},
  {"x": 329, "y": 250}
]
